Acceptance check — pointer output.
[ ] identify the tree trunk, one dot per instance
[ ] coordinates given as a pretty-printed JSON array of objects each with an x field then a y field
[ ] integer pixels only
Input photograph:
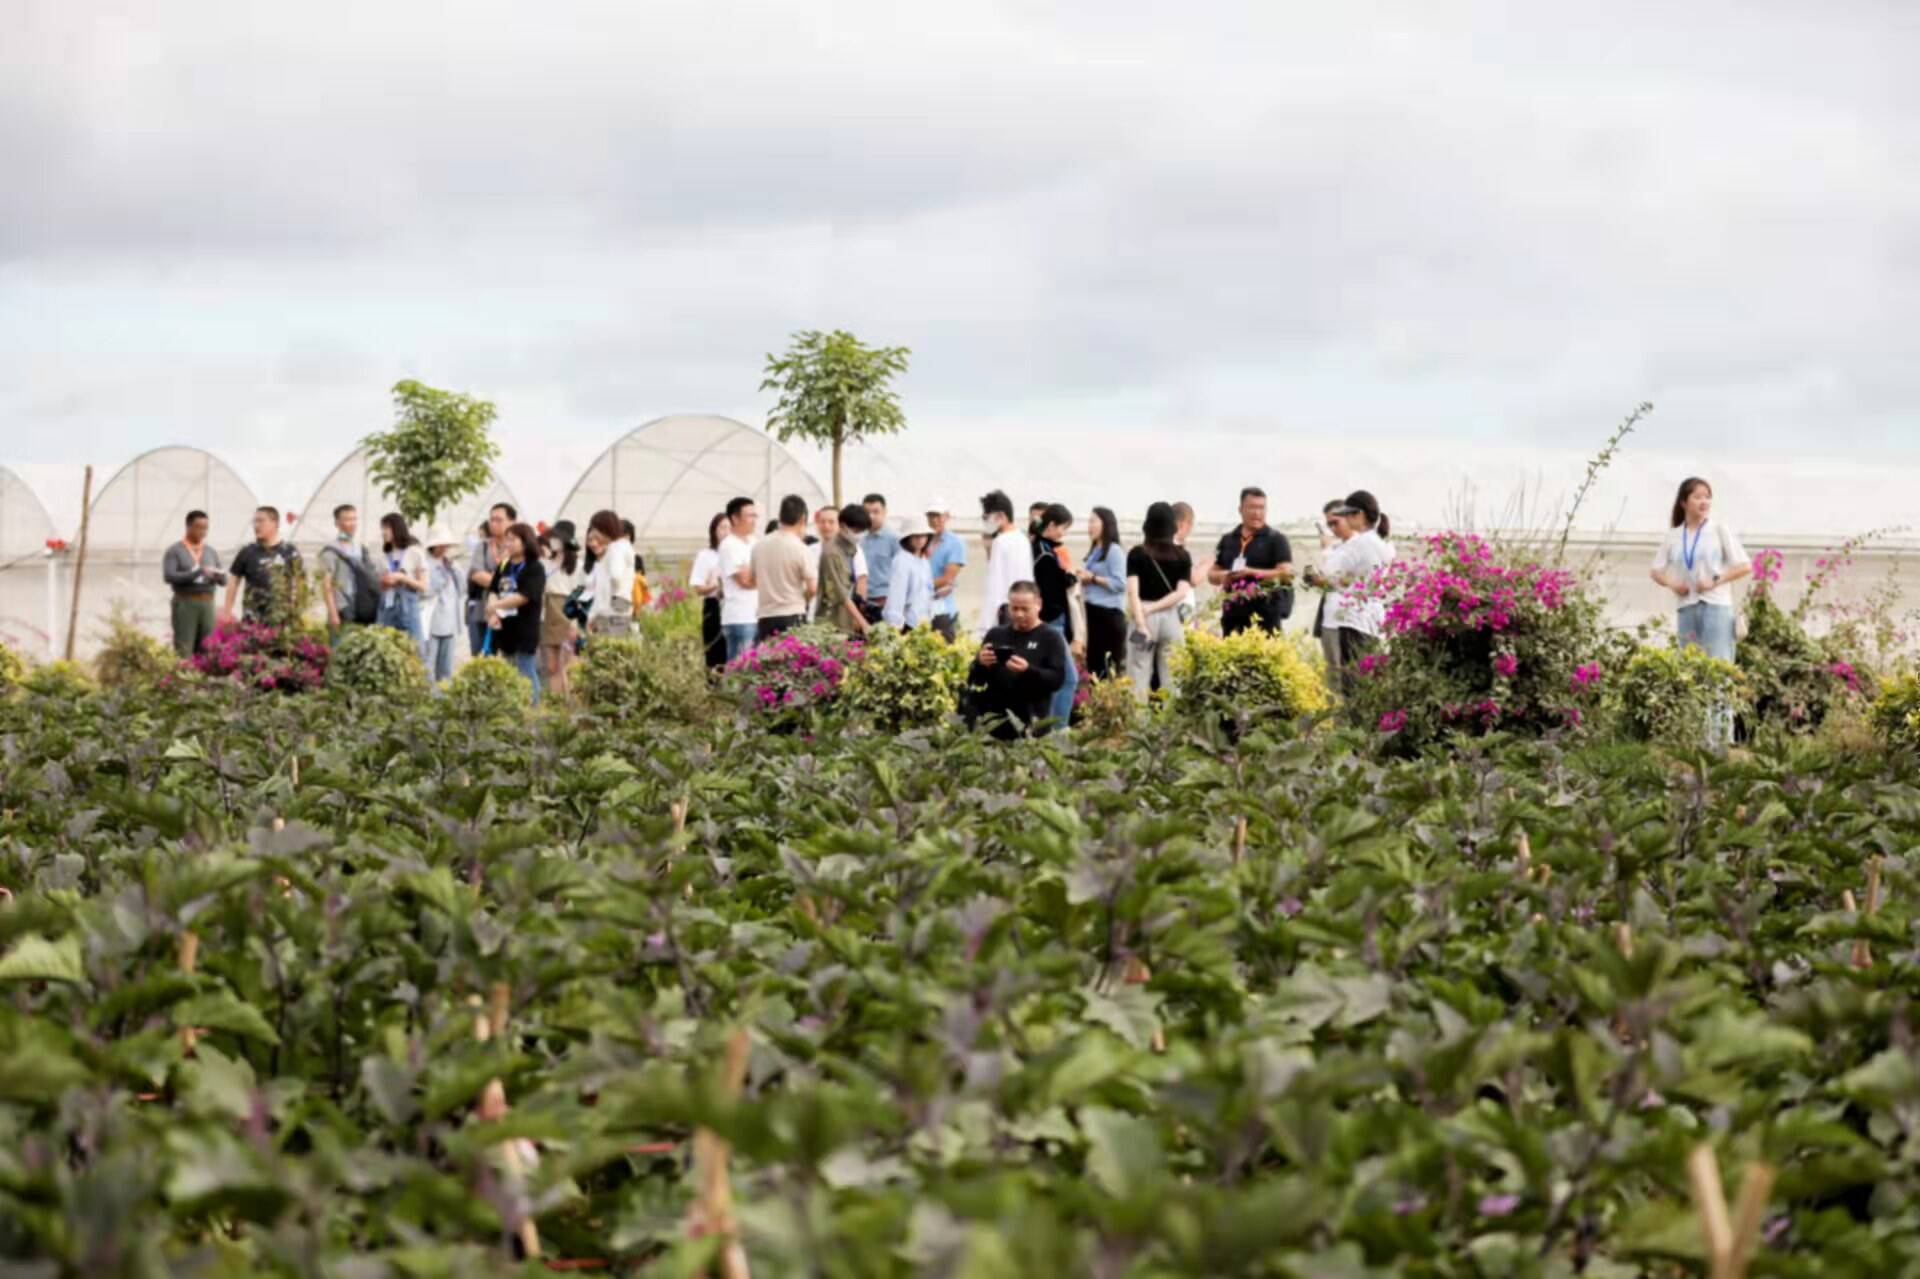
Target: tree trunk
[{"x": 838, "y": 444}]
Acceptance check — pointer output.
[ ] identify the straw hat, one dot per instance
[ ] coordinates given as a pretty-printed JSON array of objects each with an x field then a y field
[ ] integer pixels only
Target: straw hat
[
  {"x": 919, "y": 528},
  {"x": 438, "y": 536}
]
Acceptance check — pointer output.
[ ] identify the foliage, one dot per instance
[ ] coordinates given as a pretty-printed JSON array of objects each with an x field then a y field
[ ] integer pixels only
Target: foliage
[
  {"x": 674, "y": 613},
  {"x": 378, "y": 662},
  {"x": 1797, "y": 680},
  {"x": 61, "y": 680},
  {"x": 1481, "y": 637},
  {"x": 489, "y": 689},
  {"x": 1246, "y": 678},
  {"x": 1111, "y": 711},
  {"x": 1666, "y": 694},
  {"x": 834, "y": 391},
  {"x": 901, "y": 681},
  {"x": 263, "y": 658},
  {"x": 437, "y": 452},
  {"x": 1896, "y": 711},
  {"x": 1597, "y": 464},
  {"x": 130, "y": 657},
  {"x": 636, "y": 680},
  {"x": 792, "y": 674},
  {"x": 1013, "y": 1009},
  {"x": 13, "y": 669}
]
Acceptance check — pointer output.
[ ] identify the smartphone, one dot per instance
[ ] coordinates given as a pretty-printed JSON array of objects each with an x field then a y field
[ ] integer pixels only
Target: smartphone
[{"x": 1001, "y": 653}]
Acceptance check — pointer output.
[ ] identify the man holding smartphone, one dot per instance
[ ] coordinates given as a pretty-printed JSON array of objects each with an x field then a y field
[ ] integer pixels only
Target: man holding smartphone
[
  {"x": 1254, "y": 565},
  {"x": 1019, "y": 668}
]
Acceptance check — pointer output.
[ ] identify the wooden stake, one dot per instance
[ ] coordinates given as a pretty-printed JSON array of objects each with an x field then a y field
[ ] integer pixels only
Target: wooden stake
[
  {"x": 1710, "y": 1202},
  {"x": 493, "y": 1108},
  {"x": 679, "y": 812},
  {"x": 79, "y": 561},
  {"x": 712, "y": 1212},
  {"x": 1750, "y": 1216},
  {"x": 189, "y": 960},
  {"x": 1239, "y": 838},
  {"x": 1526, "y": 854},
  {"x": 1623, "y": 939},
  {"x": 1138, "y": 974}
]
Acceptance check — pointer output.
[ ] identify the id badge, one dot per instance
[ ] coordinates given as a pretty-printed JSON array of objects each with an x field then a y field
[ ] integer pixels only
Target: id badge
[{"x": 1240, "y": 565}]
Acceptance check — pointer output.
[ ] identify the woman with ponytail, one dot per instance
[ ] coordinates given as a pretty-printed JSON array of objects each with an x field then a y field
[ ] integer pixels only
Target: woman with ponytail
[{"x": 1356, "y": 622}]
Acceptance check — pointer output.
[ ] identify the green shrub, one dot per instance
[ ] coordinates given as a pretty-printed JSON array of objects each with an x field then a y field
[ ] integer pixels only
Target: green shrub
[
  {"x": 1896, "y": 712},
  {"x": 377, "y": 661},
  {"x": 627, "y": 678},
  {"x": 13, "y": 670},
  {"x": 489, "y": 688},
  {"x": 64, "y": 680},
  {"x": 1665, "y": 695},
  {"x": 130, "y": 658},
  {"x": 906, "y": 681},
  {"x": 1796, "y": 679},
  {"x": 1111, "y": 710},
  {"x": 1251, "y": 675}
]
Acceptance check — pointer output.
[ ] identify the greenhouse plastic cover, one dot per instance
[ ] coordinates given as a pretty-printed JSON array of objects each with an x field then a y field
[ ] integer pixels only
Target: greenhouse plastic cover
[
  {"x": 672, "y": 475},
  {"x": 24, "y": 530},
  {"x": 350, "y": 483}
]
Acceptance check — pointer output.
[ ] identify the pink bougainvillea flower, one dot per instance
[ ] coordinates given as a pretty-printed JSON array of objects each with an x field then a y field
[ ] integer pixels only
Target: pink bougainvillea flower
[
  {"x": 1506, "y": 666},
  {"x": 1393, "y": 721}
]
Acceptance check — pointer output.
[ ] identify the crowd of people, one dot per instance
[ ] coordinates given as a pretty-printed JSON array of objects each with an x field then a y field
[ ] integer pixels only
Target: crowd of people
[{"x": 1048, "y": 615}]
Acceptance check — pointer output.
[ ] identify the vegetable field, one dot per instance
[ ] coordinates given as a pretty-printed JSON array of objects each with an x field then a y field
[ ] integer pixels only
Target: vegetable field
[{"x": 334, "y": 986}]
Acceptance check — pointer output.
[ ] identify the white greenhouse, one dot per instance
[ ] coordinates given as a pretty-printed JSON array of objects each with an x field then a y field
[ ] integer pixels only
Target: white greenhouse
[
  {"x": 672, "y": 475},
  {"x": 349, "y": 483},
  {"x": 28, "y": 583}
]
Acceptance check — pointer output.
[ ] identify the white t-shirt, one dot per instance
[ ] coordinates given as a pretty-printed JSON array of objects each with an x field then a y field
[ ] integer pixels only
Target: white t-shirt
[
  {"x": 612, "y": 582},
  {"x": 706, "y": 568},
  {"x": 1715, "y": 550},
  {"x": 739, "y": 606},
  {"x": 1008, "y": 561},
  {"x": 1350, "y": 563}
]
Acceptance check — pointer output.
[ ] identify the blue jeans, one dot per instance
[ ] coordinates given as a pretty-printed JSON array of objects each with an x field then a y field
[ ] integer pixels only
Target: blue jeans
[
  {"x": 437, "y": 652},
  {"x": 740, "y": 637},
  {"x": 528, "y": 664},
  {"x": 476, "y": 638},
  {"x": 1060, "y": 710},
  {"x": 1710, "y": 627}
]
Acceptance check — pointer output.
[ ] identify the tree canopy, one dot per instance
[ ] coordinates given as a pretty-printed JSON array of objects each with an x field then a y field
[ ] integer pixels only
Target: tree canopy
[
  {"x": 835, "y": 390},
  {"x": 438, "y": 451}
]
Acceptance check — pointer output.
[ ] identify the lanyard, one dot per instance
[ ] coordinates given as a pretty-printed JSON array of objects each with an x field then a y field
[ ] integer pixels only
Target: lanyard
[{"x": 1689, "y": 550}]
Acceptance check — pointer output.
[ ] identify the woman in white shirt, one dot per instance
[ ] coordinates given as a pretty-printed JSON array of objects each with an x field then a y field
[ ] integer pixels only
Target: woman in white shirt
[
  {"x": 1699, "y": 561},
  {"x": 910, "y": 589},
  {"x": 703, "y": 579},
  {"x": 403, "y": 579},
  {"x": 610, "y": 587},
  {"x": 1356, "y": 622},
  {"x": 560, "y": 557},
  {"x": 444, "y": 605}
]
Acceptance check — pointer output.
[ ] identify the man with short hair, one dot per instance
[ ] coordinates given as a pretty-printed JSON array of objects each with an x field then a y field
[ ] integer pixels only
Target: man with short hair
[
  {"x": 784, "y": 576},
  {"x": 946, "y": 557},
  {"x": 1009, "y": 558},
  {"x": 1019, "y": 668},
  {"x": 269, "y": 568},
  {"x": 739, "y": 601},
  {"x": 1254, "y": 565},
  {"x": 835, "y": 575},
  {"x": 881, "y": 545},
  {"x": 486, "y": 552},
  {"x": 192, "y": 569},
  {"x": 349, "y": 564}
]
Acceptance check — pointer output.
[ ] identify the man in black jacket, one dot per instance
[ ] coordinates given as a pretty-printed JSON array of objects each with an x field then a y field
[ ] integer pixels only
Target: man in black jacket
[
  {"x": 1254, "y": 565},
  {"x": 1019, "y": 668}
]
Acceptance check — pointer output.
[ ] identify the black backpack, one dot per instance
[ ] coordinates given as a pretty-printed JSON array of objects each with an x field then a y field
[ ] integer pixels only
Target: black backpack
[{"x": 364, "y": 609}]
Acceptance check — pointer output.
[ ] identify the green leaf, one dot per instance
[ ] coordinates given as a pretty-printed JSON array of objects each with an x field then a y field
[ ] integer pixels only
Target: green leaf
[
  {"x": 222, "y": 1010},
  {"x": 37, "y": 959},
  {"x": 1124, "y": 1156}
]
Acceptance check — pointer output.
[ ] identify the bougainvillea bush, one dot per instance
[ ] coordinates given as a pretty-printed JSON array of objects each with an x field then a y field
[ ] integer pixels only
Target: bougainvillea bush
[
  {"x": 267, "y": 659},
  {"x": 1479, "y": 637},
  {"x": 1798, "y": 680},
  {"x": 793, "y": 674}
]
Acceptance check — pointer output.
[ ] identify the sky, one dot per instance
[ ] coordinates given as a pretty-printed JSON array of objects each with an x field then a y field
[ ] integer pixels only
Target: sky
[{"x": 1457, "y": 225}]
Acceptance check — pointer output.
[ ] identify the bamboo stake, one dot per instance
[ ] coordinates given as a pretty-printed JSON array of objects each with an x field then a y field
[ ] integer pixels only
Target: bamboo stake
[
  {"x": 1623, "y": 939},
  {"x": 1862, "y": 948},
  {"x": 79, "y": 561},
  {"x": 713, "y": 1211},
  {"x": 1239, "y": 838},
  {"x": 1750, "y": 1216},
  {"x": 189, "y": 960},
  {"x": 493, "y": 1108},
  {"x": 1526, "y": 854},
  {"x": 1710, "y": 1201}
]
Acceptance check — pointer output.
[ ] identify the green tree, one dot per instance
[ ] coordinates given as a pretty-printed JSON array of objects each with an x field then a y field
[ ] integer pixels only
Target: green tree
[
  {"x": 437, "y": 451},
  {"x": 835, "y": 390}
]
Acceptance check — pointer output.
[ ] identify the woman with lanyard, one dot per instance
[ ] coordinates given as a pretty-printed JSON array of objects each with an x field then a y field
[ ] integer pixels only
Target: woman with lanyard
[
  {"x": 704, "y": 580},
  {"x": 514, "y": 605},
  {"x": 404, "y": 581},
  {"x": 1699, "y": 560}
]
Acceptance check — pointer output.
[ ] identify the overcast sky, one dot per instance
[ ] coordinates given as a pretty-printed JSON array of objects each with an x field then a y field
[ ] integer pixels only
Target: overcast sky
[{"x": 236, "y": 224}]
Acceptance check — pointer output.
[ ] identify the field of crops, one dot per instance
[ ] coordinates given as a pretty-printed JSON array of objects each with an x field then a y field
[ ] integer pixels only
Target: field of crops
[{"x": 1167, "y": 1005}]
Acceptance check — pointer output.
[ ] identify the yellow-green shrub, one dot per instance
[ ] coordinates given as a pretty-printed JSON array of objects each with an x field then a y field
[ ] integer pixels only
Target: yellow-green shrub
[
  {"x": 377, "y": 661},
  {"x": 1111, "y": 711},
  {"x": 131, "y": 658},
  {"x": 1254, "y": 674},
  {"x": 905, "y": 681},
  {"x": 623, "y": 678},
  {"x": 1665, "y": 695},
  {"x": 13, "y": 670},
  {"x": 1896, "y": 712},
  {"x": 489, "y": 688},
  {"x": 64, "y": 680}
]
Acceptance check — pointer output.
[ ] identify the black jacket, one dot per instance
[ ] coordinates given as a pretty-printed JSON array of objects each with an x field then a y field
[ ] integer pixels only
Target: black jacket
[{"x": 1013, "y": 703}]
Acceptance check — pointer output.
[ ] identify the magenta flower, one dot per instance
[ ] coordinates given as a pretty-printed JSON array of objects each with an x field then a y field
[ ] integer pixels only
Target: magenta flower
[
  {"x": 1585, "y": 675},
  {"x": 1498, "y": 1205},
  {"x": 1393, "y": 721},
  {"x": 1506, "y": 666}
]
